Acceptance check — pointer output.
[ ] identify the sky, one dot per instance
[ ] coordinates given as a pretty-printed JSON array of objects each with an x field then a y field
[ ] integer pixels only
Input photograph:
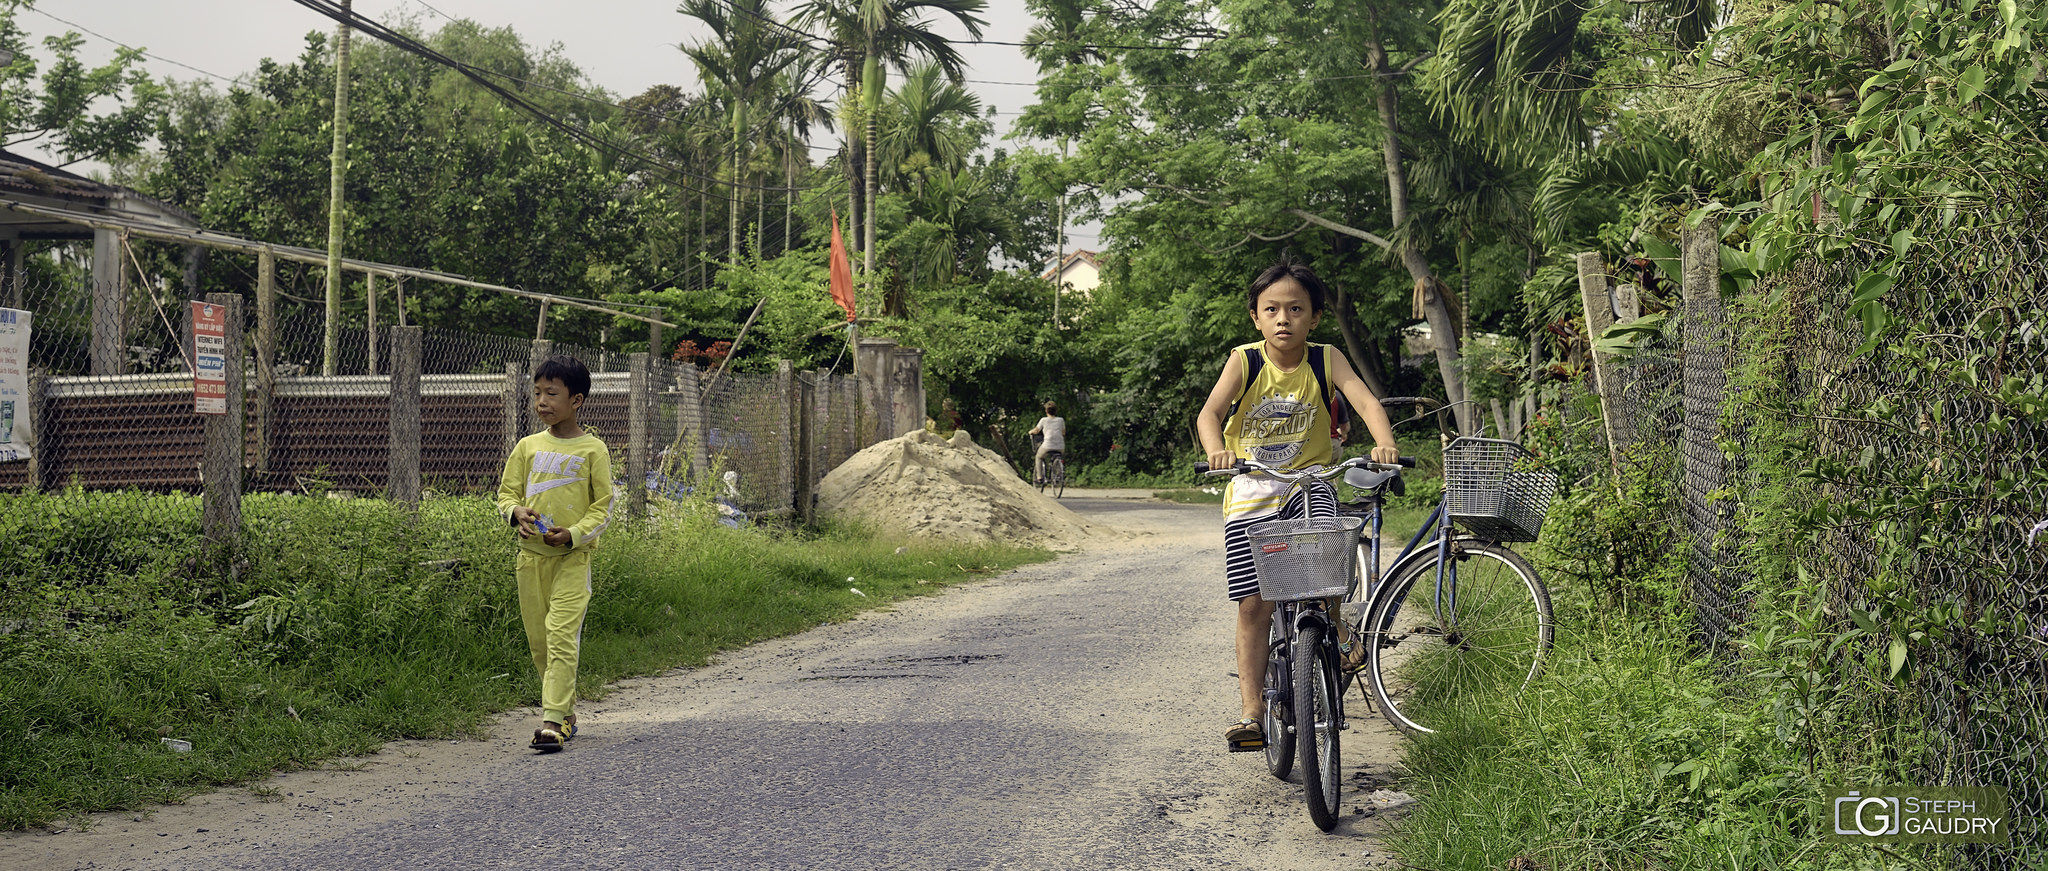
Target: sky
[{"x": 624, "y": 46}]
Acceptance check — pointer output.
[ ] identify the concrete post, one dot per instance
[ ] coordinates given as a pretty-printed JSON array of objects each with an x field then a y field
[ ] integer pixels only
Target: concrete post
[
  {"x": 1705, "y": 336},
  {"x": 542, "y": 349},
  {"x": 10, "y": 272},
  {"x": 1593, "y": 283},
  {"x": 109, "y": 309},
  {"x": 690, "y": 435},
  {"x": 370, "y": 300},
  {"x": 639, "y": 431},
  {"x": 221, "y": 466},
  {"x": 906, "y": 386},
  {"x": 515, "y": 407},
  {"x": 873, "y": 360},
  {"x": 402, "y": 479},
  {"x": 42, "y": 447}
]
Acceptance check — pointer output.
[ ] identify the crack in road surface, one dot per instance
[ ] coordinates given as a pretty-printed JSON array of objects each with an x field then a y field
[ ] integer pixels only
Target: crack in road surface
[{"x": 1064, "y": 715}]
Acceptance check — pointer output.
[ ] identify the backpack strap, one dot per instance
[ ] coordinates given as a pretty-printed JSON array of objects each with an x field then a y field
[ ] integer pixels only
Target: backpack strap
[
  {"x": 1253, "y": 362},
  {"x": 1317, "y": 363}
]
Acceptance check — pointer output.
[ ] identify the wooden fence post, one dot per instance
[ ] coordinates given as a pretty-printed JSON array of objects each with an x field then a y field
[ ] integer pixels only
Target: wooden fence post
[
  {"x": 785, "y": 387},
  {"x": 221, "y": 466},
  {"x": 1593, "y": 284},
  {"x": 402, "y": 478},
  {"x": 639, "y": 431},
  {"x": 806, "y": 446},
  {"x": 266, "y": 357}
]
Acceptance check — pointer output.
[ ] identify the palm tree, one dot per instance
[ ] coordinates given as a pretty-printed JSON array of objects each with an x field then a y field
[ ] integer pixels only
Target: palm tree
[
  {"x": 745, "y": 56},
  {"x": 928, "y": 120},
  {"x": 793, "y": 113},
  {"x": 865, "y": 36}
]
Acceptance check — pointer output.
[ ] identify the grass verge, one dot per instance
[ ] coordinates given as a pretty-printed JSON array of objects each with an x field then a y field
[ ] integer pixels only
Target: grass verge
[
  {"x": 1632, "y": 752},
  {"x": 343, "y": 624}
]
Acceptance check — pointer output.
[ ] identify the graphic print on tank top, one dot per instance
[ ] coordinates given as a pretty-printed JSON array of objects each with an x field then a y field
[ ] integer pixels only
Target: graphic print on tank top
[{"x": 1273, "y": 429}]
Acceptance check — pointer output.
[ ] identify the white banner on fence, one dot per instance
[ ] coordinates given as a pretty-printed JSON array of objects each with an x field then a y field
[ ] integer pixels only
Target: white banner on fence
[
  {"x": 209, "y": 358},
  {"x": 14, "y": 422}
]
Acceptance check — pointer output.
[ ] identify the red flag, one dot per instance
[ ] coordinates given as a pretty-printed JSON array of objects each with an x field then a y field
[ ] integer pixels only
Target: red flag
[{"x": 842, "y": 271}]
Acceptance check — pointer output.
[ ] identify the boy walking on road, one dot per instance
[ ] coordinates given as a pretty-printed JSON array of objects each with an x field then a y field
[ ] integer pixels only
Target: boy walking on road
[{"x": 557, "y": 493}]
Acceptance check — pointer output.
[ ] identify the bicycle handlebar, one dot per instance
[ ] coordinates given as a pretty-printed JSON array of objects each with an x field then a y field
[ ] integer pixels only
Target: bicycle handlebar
[{"x": 1248, "y": 467}]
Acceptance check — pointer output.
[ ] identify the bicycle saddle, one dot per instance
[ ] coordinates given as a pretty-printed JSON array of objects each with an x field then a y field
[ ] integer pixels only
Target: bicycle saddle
[{"x": 1369, "y": 480}]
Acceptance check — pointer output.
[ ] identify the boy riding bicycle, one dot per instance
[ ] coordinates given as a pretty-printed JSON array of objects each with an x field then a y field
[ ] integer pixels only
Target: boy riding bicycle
[{"x": 1267, "y": 405}]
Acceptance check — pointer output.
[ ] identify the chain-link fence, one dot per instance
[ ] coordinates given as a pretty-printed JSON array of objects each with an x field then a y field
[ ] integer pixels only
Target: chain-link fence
[
  {"x": 1931, "y": 450},
  {"x": 109, "y": 386}
]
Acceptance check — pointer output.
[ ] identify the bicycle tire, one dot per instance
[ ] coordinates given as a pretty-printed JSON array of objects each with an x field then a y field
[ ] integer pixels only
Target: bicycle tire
[
  {"x": 1279, "y": 741},
  {"x": 1317, "y": 723},
  {"x": 1499, "y": 634},
  {"x": 1059, "y": 476}
]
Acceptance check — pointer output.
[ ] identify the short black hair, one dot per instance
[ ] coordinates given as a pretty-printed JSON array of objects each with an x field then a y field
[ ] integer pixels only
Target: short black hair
[
  {"x": 566, "y": 369},
  {"x": 1302, "y": 275}
]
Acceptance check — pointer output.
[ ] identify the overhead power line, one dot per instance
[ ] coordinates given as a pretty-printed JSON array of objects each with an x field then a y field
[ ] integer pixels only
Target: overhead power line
[
  {"x": 146, "y": 54},
  {"x": 407, "y": 44}
]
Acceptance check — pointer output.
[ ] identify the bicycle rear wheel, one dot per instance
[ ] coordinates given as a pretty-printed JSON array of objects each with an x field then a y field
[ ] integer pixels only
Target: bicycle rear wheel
[
  {"x": 1487, "y": 634},
  {"x": 1316, "y": 723},
  {"x": 1059, "y": 476},
  {"x": 1279, "y": 741}
]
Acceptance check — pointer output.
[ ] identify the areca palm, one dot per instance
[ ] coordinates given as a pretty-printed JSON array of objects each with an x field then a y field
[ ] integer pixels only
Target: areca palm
[
  {"x": 792, "y": 113},
  {"x": 746, "y": 54},
  {"x": 866, "y": 36},
  {"x": 928, "y": 124}
]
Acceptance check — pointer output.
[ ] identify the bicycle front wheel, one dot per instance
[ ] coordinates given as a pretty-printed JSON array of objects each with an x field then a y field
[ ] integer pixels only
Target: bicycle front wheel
[
  {"x": 1316, "y": 723},
  {"x": 1482, "y": 631}
]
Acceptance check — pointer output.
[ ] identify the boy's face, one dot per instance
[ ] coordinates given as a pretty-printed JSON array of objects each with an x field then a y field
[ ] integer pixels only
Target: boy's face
[
  {"x": 1284, "y": 315},
  {"x": 552, "y": 401}
]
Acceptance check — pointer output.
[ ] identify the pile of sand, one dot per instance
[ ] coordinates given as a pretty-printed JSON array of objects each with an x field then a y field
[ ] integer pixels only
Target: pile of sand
[{"x": 950, "y": 488}]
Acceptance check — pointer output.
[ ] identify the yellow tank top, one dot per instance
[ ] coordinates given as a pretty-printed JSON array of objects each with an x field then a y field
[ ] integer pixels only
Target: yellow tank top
[{"x": 1282, "y": 419}]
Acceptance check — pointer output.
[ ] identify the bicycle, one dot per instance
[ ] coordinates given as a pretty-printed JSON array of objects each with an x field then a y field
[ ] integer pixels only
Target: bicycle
[
  {"x": 1055, "y": 473},
  {"x": 1458, "y": 611},
  {"x": 1302, "y": 565},
  {"x": 1053, "y": 470}
]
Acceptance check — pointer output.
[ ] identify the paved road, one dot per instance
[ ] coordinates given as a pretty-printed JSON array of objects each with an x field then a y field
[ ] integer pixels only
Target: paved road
[{"x": 1066, "y": 715}]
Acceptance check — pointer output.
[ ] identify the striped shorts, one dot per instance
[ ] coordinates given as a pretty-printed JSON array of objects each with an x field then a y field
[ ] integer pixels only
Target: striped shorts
[{"x": 1238, "y": 571}]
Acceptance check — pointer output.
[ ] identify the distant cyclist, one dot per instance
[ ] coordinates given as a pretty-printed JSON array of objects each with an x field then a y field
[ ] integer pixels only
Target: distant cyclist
[{"x": 1052, "y": 429}]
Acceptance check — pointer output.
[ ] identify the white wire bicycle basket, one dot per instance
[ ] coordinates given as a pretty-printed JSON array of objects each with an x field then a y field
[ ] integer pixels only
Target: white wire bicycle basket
[
  {"x": 1494, "y": 489},
  {"x": 1304, "y": 558}
]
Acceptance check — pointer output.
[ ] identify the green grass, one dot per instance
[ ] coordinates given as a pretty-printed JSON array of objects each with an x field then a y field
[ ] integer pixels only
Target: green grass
[
  {"x": 1630, "y": 752},
  {"x": 337, "y": 629}
]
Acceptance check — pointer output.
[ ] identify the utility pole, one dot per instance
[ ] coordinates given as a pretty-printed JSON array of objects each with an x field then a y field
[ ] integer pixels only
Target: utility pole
[
  {"x": 1059, "y": 261},
  {"x": 336, "y": 169}
]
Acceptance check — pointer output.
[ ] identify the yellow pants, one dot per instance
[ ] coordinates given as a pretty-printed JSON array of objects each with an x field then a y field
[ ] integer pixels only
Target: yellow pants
[{"x": 554, "y": 594}]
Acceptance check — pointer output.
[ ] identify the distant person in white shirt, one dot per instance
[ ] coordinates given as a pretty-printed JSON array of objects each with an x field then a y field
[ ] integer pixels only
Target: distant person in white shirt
[{"x": 1053, "y": 429}]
